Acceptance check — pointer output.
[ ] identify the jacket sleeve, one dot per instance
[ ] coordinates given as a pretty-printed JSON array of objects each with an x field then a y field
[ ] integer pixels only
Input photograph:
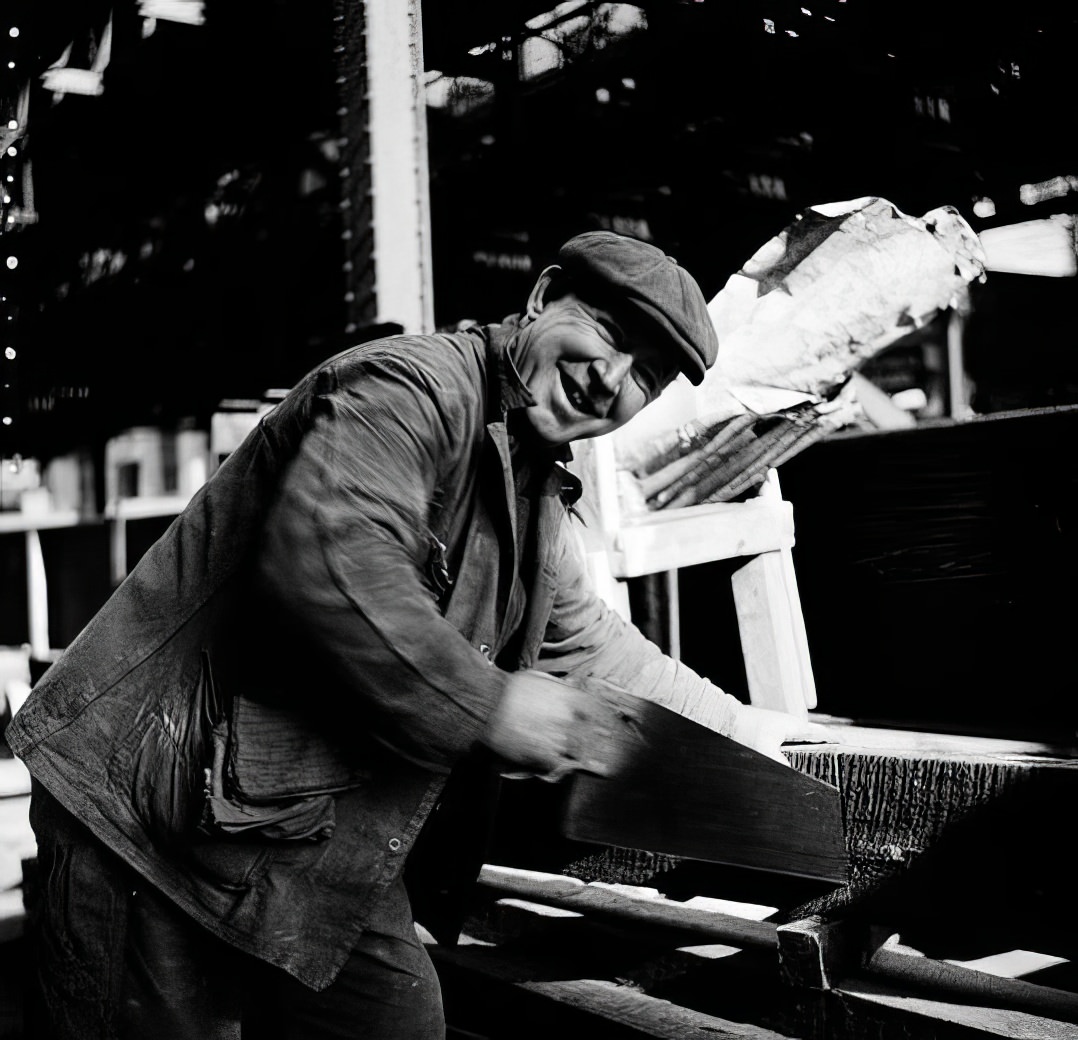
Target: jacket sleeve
[
  {"x": 585, "y": 637},
  {"x": 345, "y": 549}
]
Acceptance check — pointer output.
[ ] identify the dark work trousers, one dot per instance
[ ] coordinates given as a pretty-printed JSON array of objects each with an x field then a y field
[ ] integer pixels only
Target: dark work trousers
[{"x": 115, "y": 959}]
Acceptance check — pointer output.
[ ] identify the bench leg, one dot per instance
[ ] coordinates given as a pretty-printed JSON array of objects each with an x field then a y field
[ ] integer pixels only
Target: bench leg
[{"x": 773, "y": 640}]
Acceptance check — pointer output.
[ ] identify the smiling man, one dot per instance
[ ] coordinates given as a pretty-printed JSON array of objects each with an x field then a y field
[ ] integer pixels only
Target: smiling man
[
  {"x": 234, "y": 759},
  {"x": 605, "y": 330}
]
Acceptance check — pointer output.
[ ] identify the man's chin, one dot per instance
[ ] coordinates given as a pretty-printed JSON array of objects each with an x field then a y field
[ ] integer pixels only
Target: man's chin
[{"x": 544, "y": 426}]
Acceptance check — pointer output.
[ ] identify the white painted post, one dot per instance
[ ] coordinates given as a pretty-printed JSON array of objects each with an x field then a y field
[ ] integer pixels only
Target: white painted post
[{"x": 400, "y": 188}]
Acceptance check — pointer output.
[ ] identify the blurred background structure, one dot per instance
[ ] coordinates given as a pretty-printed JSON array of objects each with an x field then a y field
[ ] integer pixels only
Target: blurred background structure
[{"x": 202, "y": 199}]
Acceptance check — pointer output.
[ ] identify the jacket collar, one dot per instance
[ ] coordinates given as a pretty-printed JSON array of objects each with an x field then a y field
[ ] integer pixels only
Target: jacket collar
[{"x": 509, "y": 394}]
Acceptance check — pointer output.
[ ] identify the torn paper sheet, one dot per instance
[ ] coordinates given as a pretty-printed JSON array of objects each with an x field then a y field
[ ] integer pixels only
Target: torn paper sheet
[
  {"x": 838, "y": 285},
  {"x": 841, "y": 283}
]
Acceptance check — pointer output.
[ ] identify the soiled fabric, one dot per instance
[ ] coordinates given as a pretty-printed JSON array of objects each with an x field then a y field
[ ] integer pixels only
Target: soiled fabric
[
  {"x": 263, "y": 715},
  {"x": 115, "y": 959}
]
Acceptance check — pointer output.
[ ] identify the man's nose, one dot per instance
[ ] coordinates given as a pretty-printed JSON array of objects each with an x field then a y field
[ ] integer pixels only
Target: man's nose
[{"x": 611, "y": 371}]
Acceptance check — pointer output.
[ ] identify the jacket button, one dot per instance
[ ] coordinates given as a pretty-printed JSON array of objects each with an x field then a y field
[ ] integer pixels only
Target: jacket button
[
  {"x": 394, "y": 844},
  {"x": 485, "y": 651}
]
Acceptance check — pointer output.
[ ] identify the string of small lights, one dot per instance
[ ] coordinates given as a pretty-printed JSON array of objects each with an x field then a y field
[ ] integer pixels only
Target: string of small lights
[{"x": 13, "y": 168}]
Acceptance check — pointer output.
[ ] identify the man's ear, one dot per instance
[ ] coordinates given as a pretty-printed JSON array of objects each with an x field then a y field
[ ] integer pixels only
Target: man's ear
[{"x": 537, "y": 297}]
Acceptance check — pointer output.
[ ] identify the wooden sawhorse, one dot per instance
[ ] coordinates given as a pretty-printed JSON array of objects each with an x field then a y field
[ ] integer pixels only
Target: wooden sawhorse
[{"x": 760, "y": 529}]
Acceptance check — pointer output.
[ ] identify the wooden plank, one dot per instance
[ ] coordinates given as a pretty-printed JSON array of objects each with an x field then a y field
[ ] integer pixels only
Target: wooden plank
[
  {"x": 774, "y": 665},
  {"x": 942, "y": 979},
  {"x": 936, "y": 826},
  {"x": 774, "y": 643},
  {"x": 679, "y": 788},
  {"x": 799, "y": 633},
  {"x": 37, "y": 596},
  {"x": 927, "y": 1018},
  {"x": 951, "y": 818},
  {"x": 810, "y": 953},
  {"x": 674, "y": 538},
  {"x": 581, "y": 952},
  {"x": 682, "y": 924},
  {"x": 534, "y": 996},
  {"x": 12, "y": 522}
]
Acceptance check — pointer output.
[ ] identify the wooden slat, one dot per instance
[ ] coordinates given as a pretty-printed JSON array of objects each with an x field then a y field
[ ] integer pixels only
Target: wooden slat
[
  {"x": 925, "y": 1017},
  {"x": 689, "y": 923},
  {"x": 775, "y": 658},
  {"x": 927, "y": 974},
  {"x": 537, "y": 997},
  {"x": 676, "y": 538}
]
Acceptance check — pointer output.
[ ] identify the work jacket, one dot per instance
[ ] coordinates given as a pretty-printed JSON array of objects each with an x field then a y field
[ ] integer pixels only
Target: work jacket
[{"x": 262, "y": 715}]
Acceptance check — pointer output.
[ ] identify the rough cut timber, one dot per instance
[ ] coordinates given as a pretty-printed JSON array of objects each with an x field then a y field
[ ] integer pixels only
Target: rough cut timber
[{"x": 942, "y": 834}]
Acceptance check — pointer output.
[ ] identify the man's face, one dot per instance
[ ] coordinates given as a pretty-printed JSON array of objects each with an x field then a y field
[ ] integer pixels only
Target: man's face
[{"x": 588, "y": 371}]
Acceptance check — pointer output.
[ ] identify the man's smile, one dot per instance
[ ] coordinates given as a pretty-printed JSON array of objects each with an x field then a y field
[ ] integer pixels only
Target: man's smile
[{"x": 576, "y": 395}]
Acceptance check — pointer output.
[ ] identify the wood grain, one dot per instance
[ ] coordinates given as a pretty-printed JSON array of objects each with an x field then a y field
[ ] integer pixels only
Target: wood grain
[{"x": 937, "y": 828}]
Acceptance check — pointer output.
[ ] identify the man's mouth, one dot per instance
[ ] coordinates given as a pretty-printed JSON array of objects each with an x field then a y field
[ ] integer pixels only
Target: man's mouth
[{"x": 576, "y": 396}]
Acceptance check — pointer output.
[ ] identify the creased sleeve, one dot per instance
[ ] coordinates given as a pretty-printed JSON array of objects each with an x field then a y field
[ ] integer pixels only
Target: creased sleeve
[
  {"x": 345, "y": 551},
  {"x": 586, "y": 638}
]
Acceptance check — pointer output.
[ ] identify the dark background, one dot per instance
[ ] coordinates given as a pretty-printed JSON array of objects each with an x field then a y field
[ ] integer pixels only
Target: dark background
[{"x": 188, "y": 244}]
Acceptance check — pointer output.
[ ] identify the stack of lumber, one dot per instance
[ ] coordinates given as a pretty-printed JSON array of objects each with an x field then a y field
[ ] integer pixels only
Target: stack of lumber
[{"x": 956, "y": 919}]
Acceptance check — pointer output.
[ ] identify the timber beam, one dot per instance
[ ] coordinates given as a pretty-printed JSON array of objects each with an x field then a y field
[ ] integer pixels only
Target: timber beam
[{"x": 544, "y": 953}]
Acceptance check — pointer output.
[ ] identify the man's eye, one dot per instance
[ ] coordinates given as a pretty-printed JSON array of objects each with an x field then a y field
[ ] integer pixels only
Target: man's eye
[
  {"x": 647, "y": 379},
  {"x": 614, "y": 335}
]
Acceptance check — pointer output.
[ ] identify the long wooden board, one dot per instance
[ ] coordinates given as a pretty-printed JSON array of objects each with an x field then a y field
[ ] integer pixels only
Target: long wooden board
[{"x": 938, "y": 828}]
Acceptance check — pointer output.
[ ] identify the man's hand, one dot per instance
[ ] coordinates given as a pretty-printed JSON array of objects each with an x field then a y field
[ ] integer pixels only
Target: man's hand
[
  {"x": 547, "y": 727},
  {"x": 765, "y": 731}
]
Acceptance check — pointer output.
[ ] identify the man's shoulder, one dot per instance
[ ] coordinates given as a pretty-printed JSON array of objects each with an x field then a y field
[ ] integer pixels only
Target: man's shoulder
[{"x": 444, "y": 360}]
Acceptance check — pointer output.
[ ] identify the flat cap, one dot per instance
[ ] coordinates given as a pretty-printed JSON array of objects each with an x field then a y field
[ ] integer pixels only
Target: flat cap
[{"x": 627, "y": 272}]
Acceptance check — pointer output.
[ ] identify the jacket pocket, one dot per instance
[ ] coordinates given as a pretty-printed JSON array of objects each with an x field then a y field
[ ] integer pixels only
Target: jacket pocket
[
  {"x": 309, "y": 817},
  {"x": 275, "y": 752},
  {"x": 272, "y": 772}
]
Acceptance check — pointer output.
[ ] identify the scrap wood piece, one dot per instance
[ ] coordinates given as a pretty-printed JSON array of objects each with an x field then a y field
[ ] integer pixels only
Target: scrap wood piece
[{"x": 707, "y": 435}]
